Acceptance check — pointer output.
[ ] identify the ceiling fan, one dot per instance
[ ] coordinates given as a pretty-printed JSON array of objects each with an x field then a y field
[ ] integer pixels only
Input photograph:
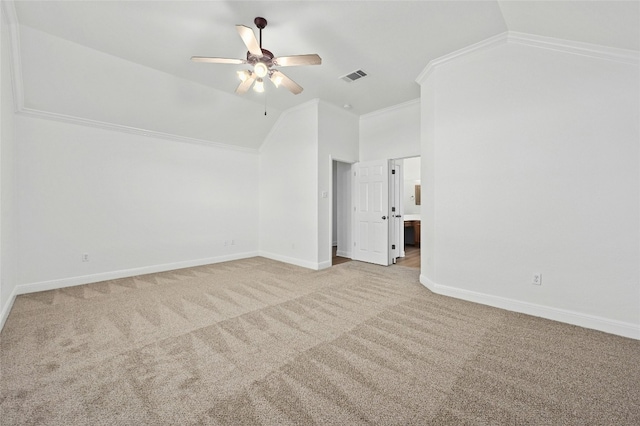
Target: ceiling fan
[{"x": 263, "y": 63}]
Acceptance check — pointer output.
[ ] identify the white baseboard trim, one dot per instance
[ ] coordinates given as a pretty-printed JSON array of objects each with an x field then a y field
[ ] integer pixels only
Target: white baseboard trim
[
  {"x": 113, "y": 275},
  {"x": 324, "y": 265},
  {"x": 4, "y": 314},
  {"x": 619, "y": 328},
  {"x": 346, "y": 254},
  {"x": 292, "y": 260}
]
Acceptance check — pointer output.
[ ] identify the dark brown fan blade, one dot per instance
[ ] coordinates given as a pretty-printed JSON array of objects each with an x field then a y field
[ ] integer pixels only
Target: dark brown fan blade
[
  {"x": 218, "y": 60},
  {"x": 245, "y": 85},
  {"x": 292, "y": 61},
  {"x": 249, "y": 38},
  {"x": 279, "y": 78}
]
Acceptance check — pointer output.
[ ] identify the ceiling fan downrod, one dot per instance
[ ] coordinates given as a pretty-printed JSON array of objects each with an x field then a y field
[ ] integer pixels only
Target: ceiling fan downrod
[{"x": 261, "y": 23}]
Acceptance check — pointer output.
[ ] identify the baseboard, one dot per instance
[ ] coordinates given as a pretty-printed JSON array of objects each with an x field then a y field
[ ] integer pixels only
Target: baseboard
[
  {"x": 4, "y": 314},
  {"x": 346, "y": 254},
  {"x": 619, "y": 328},
  {"x": 113, "y": 275},
  {"x": 292, "y": 260},
  {"x": 325, "y": 265}
]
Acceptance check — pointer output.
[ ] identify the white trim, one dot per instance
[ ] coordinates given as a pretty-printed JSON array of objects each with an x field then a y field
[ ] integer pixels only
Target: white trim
[
  {"x": 18, "y": 96},
  {"x": 337, "y": 108},
  {"x": 570, "y": 317},
  {"x": 560, "y": 45},
  {"x": 382, "y": 111},
  {"x": 126, "y": 129},
  {"x": 113, "y": 275},
  {"x": 487, "y": 44},
  {"x": 6, "y": 309},
  {"x": 324, "y": 265},
  {"x": 341, "y": 253},
  {"x": 575, "y": 47},
  {"x": 291, "y": 260}
]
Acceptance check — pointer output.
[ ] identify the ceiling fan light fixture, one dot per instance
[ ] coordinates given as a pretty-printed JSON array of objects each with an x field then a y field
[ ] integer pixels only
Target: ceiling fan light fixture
[
  {"x": 244, "y": 75},
  {"x": 260, "y": 61},
  {"x": 277, "y": 80},
  {"x": 260, "y": 69},
  {"x": 259, "y": 86}
]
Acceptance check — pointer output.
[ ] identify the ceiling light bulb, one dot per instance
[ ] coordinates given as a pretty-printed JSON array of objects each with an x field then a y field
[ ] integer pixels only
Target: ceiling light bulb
[
  {"x": 243, "y": 75},
  {"x": 260, "y": 69},
  {"x": 259, "y": 86},
  {"x": 277, "y": 80}
]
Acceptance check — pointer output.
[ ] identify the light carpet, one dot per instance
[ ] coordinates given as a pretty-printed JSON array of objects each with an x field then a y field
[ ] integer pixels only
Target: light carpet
[{"x": 261, "y": 342}]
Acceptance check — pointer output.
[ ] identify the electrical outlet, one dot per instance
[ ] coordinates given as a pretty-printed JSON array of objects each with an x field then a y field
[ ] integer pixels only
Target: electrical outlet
[
  {"x": 536, "y": 279},
  {"x": 85, "y": 257}
]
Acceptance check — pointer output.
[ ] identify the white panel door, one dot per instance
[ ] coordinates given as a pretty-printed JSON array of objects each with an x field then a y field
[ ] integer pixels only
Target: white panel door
[{"x": 371, "y": 212}]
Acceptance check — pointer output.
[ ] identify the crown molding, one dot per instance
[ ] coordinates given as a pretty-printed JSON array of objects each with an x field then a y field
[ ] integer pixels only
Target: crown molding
[
  {"x": 392, "y": 108},
  {"x": 29, "y": 112},
  {"x": 337, "y": 108},
  {"x": 576, "y": 48},
  {"x": 595, "y": 51},
  {"x": 9, "y": 13},
  {"x": 490, "y": 43}
]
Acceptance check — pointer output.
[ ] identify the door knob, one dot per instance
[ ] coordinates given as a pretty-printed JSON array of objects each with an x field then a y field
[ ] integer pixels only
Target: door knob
[{"x": 384, "y": 217}]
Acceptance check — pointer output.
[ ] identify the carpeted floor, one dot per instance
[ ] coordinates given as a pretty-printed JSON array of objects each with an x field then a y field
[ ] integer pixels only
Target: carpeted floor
[{"x": 261, "y": 342}]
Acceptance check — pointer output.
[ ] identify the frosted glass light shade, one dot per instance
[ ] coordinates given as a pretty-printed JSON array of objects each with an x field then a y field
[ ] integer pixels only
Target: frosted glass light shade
[
  {"x": 258, "y": 86},
  {"x": 260, "y": 69}
]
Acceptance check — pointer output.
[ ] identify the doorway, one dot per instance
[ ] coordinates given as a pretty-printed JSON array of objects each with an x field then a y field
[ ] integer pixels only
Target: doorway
[
  {"x": 411, "y": 211},
  {"x": 341, "y": 240},
  {"x": 364, "y": 193}
]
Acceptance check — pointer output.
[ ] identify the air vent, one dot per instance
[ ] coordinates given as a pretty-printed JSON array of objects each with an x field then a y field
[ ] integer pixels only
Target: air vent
[{"x": 353, "y": 76}]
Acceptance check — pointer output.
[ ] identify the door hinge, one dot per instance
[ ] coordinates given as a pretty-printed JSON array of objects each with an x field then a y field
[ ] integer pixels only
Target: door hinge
[
  {"x": 393, "y": 246},
  {"x": 393, "y": 172},
  {"x": 393, "y": 209}
]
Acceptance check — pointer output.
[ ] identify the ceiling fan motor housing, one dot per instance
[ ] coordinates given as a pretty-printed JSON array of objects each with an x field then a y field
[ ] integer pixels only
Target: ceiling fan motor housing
[{"x": 267, "y": 57}]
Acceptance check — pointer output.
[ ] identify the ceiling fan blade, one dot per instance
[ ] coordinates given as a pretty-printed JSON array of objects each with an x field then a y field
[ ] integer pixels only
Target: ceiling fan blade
[
  {"x": 245, "y": 85},
  {"x": 218, "y": 60},
  {"x": 280, "y": 79},
  {"x": 292, "y": 61},
  {"x": 249, "y": 38}
]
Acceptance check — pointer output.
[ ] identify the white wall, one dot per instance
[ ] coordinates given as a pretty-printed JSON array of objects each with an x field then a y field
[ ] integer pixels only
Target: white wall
[
  {"x": 133, "y": 203},
  {"x": 67, "y": 78},
  {"x": 289, "y": 188},
  {"x": 391, "y": 133},
  {"x": 296, "y": 168},
  {"x": 337, "y": 140},
  {"x": 8, "y": 214},
  {"x": 536, "y": 169}
]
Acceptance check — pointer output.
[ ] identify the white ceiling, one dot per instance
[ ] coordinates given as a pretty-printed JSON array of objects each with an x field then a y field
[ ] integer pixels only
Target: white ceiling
[{"x": 391, "y": 40}]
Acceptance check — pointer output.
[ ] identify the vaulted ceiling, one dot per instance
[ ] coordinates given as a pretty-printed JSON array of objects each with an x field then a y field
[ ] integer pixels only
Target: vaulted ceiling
[{"x": 392, "y": 41}]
